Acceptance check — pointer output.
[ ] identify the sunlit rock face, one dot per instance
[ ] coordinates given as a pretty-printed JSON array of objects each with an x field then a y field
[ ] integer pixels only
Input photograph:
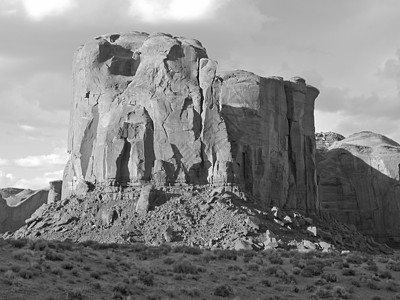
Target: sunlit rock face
[
  {"x": 152, "y": 108},
  {"x": 359, "y": 183}
]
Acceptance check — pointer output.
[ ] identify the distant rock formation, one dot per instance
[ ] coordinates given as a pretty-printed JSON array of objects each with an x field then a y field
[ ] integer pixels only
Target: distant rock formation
[
  {"x": 151, "y": 108},
  {"x": 17, "y": 205},
  {"x": 358, "y": 181},
  {"x": 324, "y": 140}
]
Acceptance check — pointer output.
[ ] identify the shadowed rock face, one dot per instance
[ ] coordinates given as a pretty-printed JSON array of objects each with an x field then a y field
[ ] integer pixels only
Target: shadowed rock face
[
  {"x": 151, "y": 108},
  {"x": 359, "y": 183},
  {"x": 17, "y": 205}
]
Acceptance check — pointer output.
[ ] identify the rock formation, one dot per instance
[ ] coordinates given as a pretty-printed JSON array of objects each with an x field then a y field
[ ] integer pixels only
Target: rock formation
[
  {"x": 17, "y": 205},
  {"x": 151, "y": 108},
  {"x": 358, "y": 180},
  {"x": 55, "y": 191}
]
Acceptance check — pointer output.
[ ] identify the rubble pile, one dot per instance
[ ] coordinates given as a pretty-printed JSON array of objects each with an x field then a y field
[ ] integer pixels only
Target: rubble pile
[{"x": 202, "y": 216}]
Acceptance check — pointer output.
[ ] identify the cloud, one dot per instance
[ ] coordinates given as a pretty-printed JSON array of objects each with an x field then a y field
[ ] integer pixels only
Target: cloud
[
  {"x": 3, "y": 162},
  {"x": 7, "y": 179},
  {"x": 27, "y": 128},
  {"x": 60, "y": 157},
  {"x": 156, "y": 11},
  {"x": 40, "y": 9},
  {"x": 40, "y": 182}
]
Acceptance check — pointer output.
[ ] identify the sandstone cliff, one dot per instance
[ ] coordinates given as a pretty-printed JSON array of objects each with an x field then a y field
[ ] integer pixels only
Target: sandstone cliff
[
  {"x": 359, "y": 183},
  {"x": 151, "y": 108},
  {"x": 17, "y": 205}
]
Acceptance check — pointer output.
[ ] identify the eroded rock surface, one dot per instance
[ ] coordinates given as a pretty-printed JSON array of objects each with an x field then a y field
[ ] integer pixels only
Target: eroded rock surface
[
  {"x": 359, "y": 183},
  {"x": 17, "y": 205},
  {"x": 152, "y": 109}
]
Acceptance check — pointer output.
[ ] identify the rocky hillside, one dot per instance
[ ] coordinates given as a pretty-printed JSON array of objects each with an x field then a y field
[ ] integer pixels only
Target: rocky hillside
[
  {"x": 222, "y": 218},
  {"x": 358, "y": 181}
]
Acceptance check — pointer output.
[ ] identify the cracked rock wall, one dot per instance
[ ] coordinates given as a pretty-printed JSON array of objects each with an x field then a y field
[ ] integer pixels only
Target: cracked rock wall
[{"x": 151, "y": 108}]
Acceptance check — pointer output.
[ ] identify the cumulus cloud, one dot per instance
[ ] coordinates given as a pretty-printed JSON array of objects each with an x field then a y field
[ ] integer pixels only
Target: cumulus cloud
[
  {"x": 40, "y": 9},
  {"x": 60, "y": 157},
  {"x": 155, "y": 11},
  {"x": 7, "y": 179},
  {"x": 40, "y": 182}
]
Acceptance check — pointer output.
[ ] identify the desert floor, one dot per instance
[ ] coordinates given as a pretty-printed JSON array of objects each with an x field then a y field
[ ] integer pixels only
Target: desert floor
[{"x": 65, "y": 270}]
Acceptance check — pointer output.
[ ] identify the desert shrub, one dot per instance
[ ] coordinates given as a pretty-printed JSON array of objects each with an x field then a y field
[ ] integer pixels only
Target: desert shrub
[
  {"x": 120, "y": 289},
  {"x": 266, "y": 282},
  {"x": 168, "y": 260},
  {"x": 385, "y": 275},
  {"x": 226, "y": 254},
  {"x": 340, "y": 292},
  {"x": 223, "y": 290},
  {"x": 372, "y": 268},
  {"x": 373, "y": 285},
  {"x": 146, "y": 277},
  {"x": 356, "y": 283},
  {"x": 57, "y": 271},
  {"x": 23, "y": 254},
  {"x": 207, "y": 256},
  {"x": 296, "y": 271},
  {"x": 53, "y": 256},
  {"x": 383, "y": 259},
  {"x": 18, "y": 243},
  {"x": 348, "y": 272},
  {"x": 311, "y": 271},
  {"x": 25, "y": 273},
  {"x": 9, "y": 274},
  {"x": 329, "y": 277},
  {"x": 185, "y": 267},
  {"x": 67, "y": 266},
  {"x": 86, "y": 268},
  {"x": 394, "y": 266},
  {"x": 37, "y": 245},
  {"x": 392, "y": 286},
  {"x": 15, "y": 268},
  {"x": 137, "y": 247},
  {"x": 356, "y": 259},
  {"x": 246, "y": 253},
  {"x": 323, "y": 293},
  {"x": 271, "y": 270},
  {"x": 252, "y": 267},
  {"x": 234, "y": 268},
  {"x": 95, "y": 275},
  {"x": 188, "y": 250},
  {"x": 190, "y": 291},
  {"x": 275, "y": 260},
  {"x": 75, "y": 294},
  {"x": 376, "y": 297},
  {"x": 66, "y": 245}
]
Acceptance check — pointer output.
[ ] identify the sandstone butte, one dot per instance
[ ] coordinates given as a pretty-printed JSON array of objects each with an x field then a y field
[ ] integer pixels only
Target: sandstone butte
[
  {"x": 359, "y": 182},
  {"x": 154, "y": 109}
]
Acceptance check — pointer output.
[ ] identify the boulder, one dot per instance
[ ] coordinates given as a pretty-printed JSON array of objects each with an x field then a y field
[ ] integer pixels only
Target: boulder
[
  {"x": 152, "y": 108},
  {"x": 54, "y": 191},
  {"x": 358, "y": 183},
  {"x": 146, "y": 199}
]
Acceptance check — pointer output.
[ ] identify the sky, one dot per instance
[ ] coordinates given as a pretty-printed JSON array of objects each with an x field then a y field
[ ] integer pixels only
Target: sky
[{"x": 348, "y": 49}]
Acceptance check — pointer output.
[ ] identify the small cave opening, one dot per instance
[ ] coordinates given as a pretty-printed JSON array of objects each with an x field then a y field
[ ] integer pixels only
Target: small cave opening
[{"x": 87, "y": 95}]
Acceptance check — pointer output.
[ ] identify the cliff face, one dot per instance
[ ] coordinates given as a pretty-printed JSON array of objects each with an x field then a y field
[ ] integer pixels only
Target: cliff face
[
  {"x": 359, "y": 183},
  {"x": 151, "y": 108},
  {"x": 19, "y": 205}
]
